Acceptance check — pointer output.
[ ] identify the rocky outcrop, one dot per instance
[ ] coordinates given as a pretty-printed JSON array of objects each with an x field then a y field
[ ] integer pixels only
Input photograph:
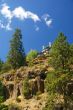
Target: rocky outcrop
[
  {"x": 8, "y": 90},
  {"x": 59, "y": 107},
  {"x": 13, "y": 82},
  {"x": 36, "y": 85},
  {"x": 69, "y": 88}
]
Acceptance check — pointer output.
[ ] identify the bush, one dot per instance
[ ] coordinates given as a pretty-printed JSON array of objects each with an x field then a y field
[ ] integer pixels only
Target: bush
[
  {"x": 6, "y": 67},
  {"x": 50, "y": 105},
  {"x": 13, "y": 107},
  {"x": 30, "y": 56},
  {"x": 26, "y": 88},
  {"x": 55, "y": 84},
  {"x": 3, "y": 107},
  {"x": 1, "y": 92}
]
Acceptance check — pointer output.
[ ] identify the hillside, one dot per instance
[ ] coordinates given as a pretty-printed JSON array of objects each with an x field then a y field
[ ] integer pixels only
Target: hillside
[
  {"x": 13, "y": 84},
  {"x": 38, "y": 97},
  {"x": 39, "y": 80}
]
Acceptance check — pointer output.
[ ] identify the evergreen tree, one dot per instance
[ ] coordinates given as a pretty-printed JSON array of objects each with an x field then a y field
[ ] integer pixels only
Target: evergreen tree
[
  {"x": 60, "y": 53},
  {"x": 71, "y": 54},
  {"x": 16, "y": 55},
  {"x": 1, "y": 64}
]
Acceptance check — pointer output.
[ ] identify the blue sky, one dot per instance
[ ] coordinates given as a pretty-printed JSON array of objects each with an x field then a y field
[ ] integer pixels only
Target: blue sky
[{"x": 39, "y": 20}]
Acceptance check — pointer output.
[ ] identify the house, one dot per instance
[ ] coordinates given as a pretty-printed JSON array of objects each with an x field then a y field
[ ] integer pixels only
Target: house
[{"x": 45, "y": 49}]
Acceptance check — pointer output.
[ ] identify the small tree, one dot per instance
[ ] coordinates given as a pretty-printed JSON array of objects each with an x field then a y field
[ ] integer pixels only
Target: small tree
[
  {"x": 60, "y": 53},
  {"x": 30, "y": 56},
  {"x": 16, "y": 55}
]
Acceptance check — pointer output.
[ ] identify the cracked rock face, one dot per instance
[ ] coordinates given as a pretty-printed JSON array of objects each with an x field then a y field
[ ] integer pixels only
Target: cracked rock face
[{"x": 13, "y": 83}]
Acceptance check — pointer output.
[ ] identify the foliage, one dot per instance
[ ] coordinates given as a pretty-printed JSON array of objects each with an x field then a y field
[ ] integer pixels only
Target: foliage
[
  {"x": 26, "y": 88},
  {"x": 1, "y": 92},
  {"x": 60, "y": 53},
  {"x": 50, "y": 103},
  {"x": 31, "y": 55},
  {"x": 55, "y": 83},
  {"x": 1, "y": 64},
  {"x": 71, "y": 54},
  {"x": 61, "y": 58},
  {"x": 3, "y": 107},
  {"x": 16, "y": 56},
  {"x": 13, "y": 107},
  {"x": 6, "y": 67}
]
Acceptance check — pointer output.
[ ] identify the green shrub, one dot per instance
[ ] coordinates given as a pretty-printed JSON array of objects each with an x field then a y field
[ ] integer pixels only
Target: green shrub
[
  {"x": 6, "y": 67},
  {"x": 30, "y": 56},
  {"x": 50, "y": 105},
  {"x": 55, "y": 84},
  {"x": 13, "y": 107},
  {"x": 1, "y": 92},
  {"x": 1, "y": 99},
  {"x": 3, "y": 107},
  {"x": 26, "y": 88}
]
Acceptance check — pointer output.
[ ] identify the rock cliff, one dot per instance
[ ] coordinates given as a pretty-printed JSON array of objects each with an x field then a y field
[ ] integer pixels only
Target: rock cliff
[{"x": 13, "y": 85}]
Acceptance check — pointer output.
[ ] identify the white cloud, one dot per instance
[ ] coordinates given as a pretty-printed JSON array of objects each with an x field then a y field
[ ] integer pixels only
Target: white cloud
[
  {"x": 49, "y": 22},
  {"x": 1, "y": 25},
  {"x": 18, "y": 12},
  {"x": 21, "y": 14},
  {"x": 5, "y": 11},
  {"x": 33, "y": 16},
  {"x": 7, "y": 26},
  {"x": 47, "y": 19},
  {"x": 36, "y": 28}
]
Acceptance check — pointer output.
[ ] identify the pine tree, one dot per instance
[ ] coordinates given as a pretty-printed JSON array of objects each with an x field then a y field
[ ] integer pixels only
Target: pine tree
[
  {"x": 1, "y": 64},
  {"x": 16, "y": 56},
  {"x": 60, "y": 53}
]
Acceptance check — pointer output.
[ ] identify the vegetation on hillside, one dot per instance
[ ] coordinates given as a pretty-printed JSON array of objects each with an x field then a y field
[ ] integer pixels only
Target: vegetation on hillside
[
  {"x": 60, "y": 58},
  {"x": 31, "y": 56},
  {"x": 26, "y": 88},
  {"x": 1, "y": 92}
]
